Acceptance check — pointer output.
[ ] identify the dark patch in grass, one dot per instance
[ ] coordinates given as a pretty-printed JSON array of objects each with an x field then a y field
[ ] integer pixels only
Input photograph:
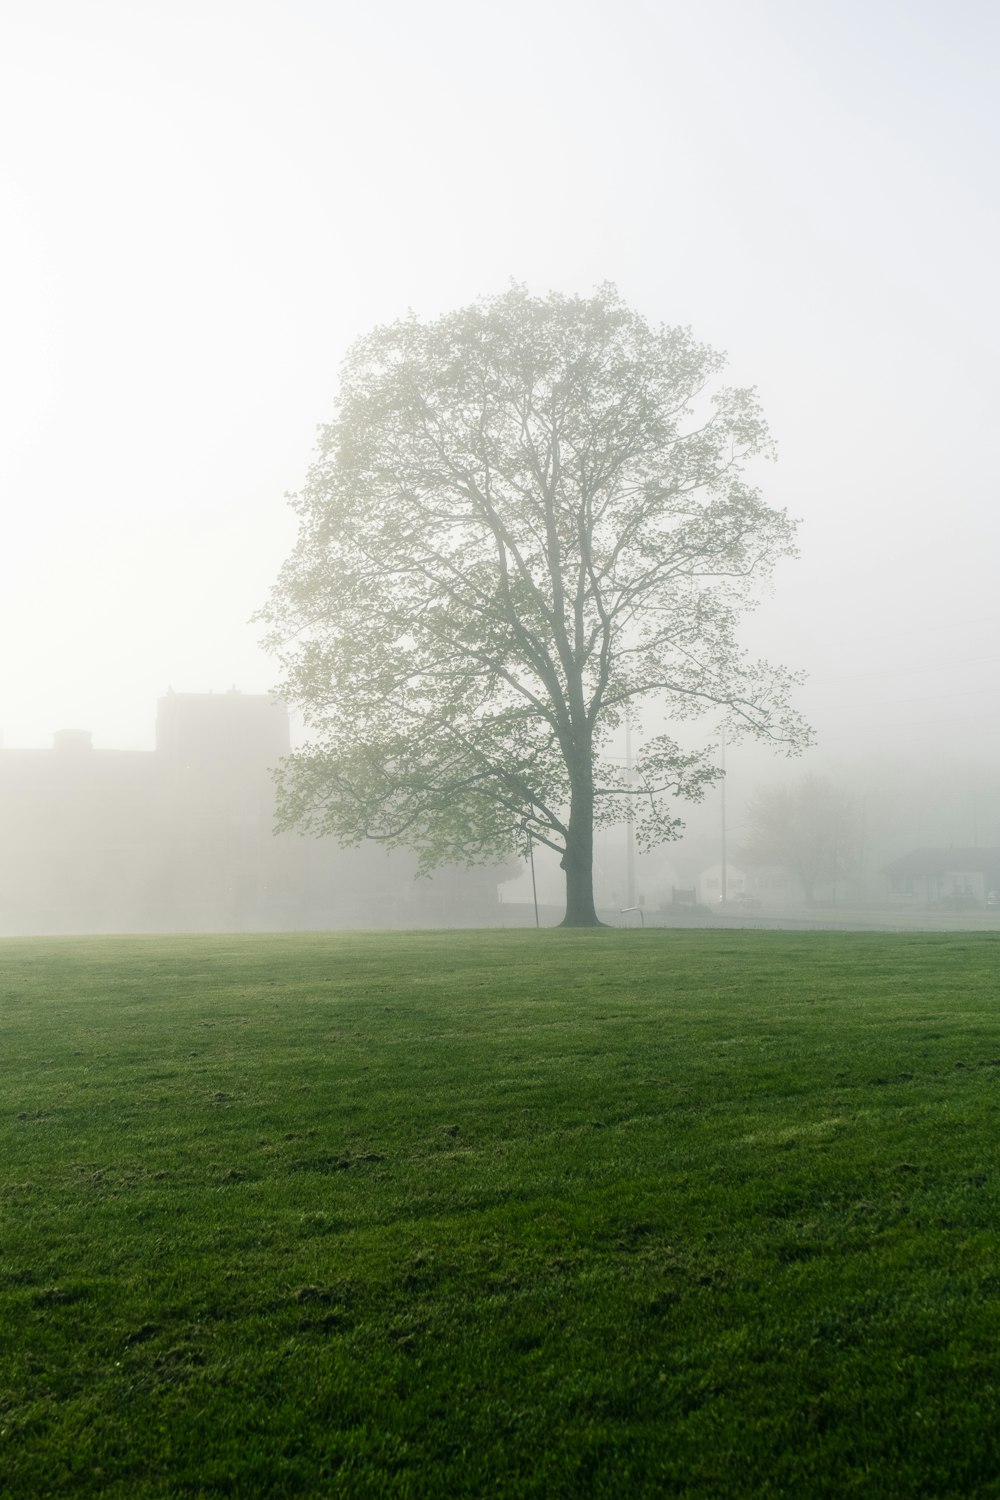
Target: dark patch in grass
[
  {"x": 797, "y": 1250},
  {"x": 328, "y": 1323},
  {"x": 60, "y": 1296},
  {"x": 405, "y": 1332},
  {"x": 140, "y": 1335},
  {"x": 631, "y": 1234},
  {"x": 323, "y": 1164},
  {"x": 332, "y": 1164},
  {"x": 323, "y": 1294},
  {"x": 178, "y": 1364},
  {"x": 20, "y": 1278},
  {"x": 322, "y": 1224}
]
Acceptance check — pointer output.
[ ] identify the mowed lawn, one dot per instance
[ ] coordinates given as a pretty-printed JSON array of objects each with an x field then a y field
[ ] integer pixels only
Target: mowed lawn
[{"x": 501, "y": 1214}]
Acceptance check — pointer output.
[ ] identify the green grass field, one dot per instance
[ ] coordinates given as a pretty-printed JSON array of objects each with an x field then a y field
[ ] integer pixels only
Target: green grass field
[{"x": 508, "y": 1214}]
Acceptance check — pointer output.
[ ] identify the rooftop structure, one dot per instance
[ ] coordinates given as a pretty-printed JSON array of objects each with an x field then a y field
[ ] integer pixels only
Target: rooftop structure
[{"x": 180, "y": 838}]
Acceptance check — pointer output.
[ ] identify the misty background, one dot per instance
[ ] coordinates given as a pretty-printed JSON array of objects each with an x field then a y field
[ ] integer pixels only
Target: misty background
[{"x": 203, "y": 205}]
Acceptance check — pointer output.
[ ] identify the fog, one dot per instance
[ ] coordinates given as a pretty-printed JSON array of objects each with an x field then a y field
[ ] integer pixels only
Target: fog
[{"x": 204, "y": 204}]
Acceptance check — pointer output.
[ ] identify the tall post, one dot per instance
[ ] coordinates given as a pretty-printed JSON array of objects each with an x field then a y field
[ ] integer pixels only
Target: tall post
[
  {"x": 724, "y": 884},
  {"x": 534, "y": 888},
  {"x": 629, "y": 821}
]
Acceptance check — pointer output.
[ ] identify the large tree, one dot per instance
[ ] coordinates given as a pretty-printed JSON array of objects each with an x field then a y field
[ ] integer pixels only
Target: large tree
[
  {"x": 525, "y": 518},
  {"x": 811, "y": 829}
]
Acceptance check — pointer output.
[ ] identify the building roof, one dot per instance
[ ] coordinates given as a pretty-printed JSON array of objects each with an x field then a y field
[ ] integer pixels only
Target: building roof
[{"x": 943, "y": 861}]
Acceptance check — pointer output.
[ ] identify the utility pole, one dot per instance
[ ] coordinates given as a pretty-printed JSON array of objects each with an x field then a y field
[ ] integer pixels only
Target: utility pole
[
  {"x": 534, "y": 887},
  {"x": 629, "y": 824},
  {"x": 723, "y": 883}
]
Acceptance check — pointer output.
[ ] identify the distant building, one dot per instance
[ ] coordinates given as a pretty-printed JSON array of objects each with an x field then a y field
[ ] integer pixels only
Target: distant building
[
  {"x": 180, "y": 838},
  {"x": 710, "y": 887},
  {"x": 945, "y": 877}
]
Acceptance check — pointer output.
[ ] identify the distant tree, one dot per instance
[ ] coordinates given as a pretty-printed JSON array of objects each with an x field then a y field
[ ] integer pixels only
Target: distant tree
[
  {"x": 525, "y": 518},
  {"x": 812, "y": 830}
]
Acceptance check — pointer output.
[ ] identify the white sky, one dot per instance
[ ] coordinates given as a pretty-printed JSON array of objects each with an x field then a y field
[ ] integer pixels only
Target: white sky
[{"x": 203, "y": 202}]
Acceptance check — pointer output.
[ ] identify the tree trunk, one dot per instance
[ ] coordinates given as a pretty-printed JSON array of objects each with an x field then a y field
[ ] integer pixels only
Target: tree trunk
[{"x": 578, "y": 860}]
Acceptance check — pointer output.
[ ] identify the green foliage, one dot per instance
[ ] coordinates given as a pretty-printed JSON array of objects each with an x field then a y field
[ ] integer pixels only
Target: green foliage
[
  {"x": 526, "y": 517},
  {"x": 557, "y": 1214}
]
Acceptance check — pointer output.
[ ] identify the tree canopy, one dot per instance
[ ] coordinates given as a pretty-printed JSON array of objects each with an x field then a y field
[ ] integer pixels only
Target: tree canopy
[
  {"x": 811, "y": 829},
  {"x": 526, "y": 518}
]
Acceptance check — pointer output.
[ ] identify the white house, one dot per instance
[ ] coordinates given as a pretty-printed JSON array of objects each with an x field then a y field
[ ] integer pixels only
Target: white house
[{"x": 710, "y": 885}]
